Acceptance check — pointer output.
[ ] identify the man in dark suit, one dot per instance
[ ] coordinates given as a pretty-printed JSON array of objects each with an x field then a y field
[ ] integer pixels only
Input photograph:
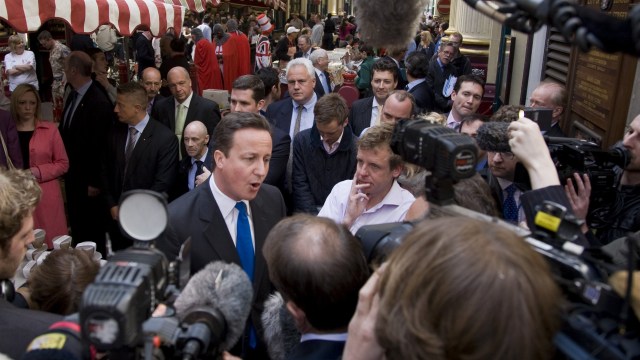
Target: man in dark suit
[
  {"x": 366, "y": 112},
  {"x": 320, "y": 61},
  {"x": 141, "y": 154},
  {"x": 319, "y": 267},
  {"x": 304, "y": 46},
  {"x": 216, "y": 219},
  {"x": 551, "y": 95},
  {"x": 20, "y": 195},
  {"x": 465, "y": 99},
  {"x": 87, "y": 118},
  {"x": 195, "y": 168},
  {"x": 441, "y": 77},
  {"x": 171, "y": 110},
  {"x": 248, "y": 94},
  {"x": 152, "y": 83},
  {"x": 145, "y": 55},
  {"x": 417, "y": 67},
  {"x": 396, "y": 56}
]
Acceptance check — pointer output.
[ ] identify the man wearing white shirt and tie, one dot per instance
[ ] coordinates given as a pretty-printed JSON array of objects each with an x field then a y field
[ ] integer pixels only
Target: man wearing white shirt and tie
[{"x": 320, "y": 61}]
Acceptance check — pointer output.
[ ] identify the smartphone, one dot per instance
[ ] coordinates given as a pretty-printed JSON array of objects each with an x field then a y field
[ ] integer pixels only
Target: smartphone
[{"x": 540, "y": 115}]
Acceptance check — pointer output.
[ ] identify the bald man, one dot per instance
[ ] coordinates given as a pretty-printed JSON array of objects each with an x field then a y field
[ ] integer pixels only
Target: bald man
[
  {"x": 152, "y": 82},
  {"x": 551, "y": 95},
  {"x": 184, "y": 106},
  {"x": 196, "y": 166}
]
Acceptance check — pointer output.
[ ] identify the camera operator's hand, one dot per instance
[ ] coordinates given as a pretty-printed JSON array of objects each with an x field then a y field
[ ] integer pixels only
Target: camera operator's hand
[
  {"x": 357, "y": 203},
  {"x": 528, "y": 145},
  {"x": 228, "y": 356},
  {"x": 579, "y": 198},
  {"x": 362, "y": 342}
]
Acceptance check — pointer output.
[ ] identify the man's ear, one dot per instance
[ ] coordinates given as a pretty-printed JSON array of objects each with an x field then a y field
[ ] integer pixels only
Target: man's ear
[
  {"x": 397, "y": 171},
  {"x": 557, "y": 111},
  {"x": 299, "y": 317},
  {"x": 218, "y": 158}
]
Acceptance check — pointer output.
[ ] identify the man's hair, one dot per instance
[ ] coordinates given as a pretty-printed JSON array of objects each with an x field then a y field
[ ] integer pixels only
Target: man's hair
[
  {"x": 402, "y": 96},
  {"x": 319, "y": 266},
  {"x": 306, "y": 63},
  {"x": 232, "y": 25},
  {"x": 17, "y": 93},
  {"x": 19, "y": 195},
  {"x": 507, "y": 113},
  {"x": 383, "y": 64},
  {"x": 134, "y": 91},
  {"x": 306, "y": 38},
  {"x": 225, "y": 130},
  {"x": 459, "y": 288},
  {"x": 58, "y": 283},
  {"x": 444, "y": 26},
  {"x": 447, "y": 44},
  {"x": 269, "y": 77},
  {"x": 471, "y": 118},
  {"x": 250, "y": 82},
  {"x": 456, "y": 35},
  {"x": 316, "y": 55},
  {"x": 330, "y": 107},
  {"x": 559, "y": 93},
  {"x": 80, "y": 61},
  {"x": 417, "y": 64},
  {"x": 44, "y": 35},
  {"x": 379, "y": 137},
  {"x": 468, "y": 78}
]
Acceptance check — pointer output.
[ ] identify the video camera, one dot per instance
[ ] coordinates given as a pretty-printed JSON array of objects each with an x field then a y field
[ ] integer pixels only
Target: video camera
[{"x": 594, "y": 327}]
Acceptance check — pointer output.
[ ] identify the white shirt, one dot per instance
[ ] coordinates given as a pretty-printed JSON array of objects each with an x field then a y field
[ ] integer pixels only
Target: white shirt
[
  {"x": 140, "y": 127},
  {"x": 12, "y": 60},
  {"x": 306, "y": 122},
  {"x": 452, "y": 122},
  {"x": 229, "y": 212},
  {"x": 374, "y": 111},
  {"x": 392, "y": 208}
]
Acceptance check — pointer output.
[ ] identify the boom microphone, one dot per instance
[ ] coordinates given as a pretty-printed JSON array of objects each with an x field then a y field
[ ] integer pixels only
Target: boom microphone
[
  {"x": 280, "y": 332},
  {"x": 216, "y": 302},
  {"x": 494, "y": 136},
  {"x": 372, "y": 14}
]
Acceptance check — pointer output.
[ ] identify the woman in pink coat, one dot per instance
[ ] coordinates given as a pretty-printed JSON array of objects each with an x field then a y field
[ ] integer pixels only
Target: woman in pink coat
[{"x": 43, "y": 153}]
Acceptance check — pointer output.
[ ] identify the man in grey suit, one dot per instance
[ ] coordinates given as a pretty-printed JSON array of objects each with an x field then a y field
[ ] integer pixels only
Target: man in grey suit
[
  {"x": 184, "y": 106},
  {"x": 366, "y": 112},
  {"x": 215, "y": 214}
]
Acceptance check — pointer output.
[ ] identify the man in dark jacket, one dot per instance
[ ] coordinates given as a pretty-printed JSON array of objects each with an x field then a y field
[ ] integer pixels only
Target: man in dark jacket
[{"x": 323, "y": 155}]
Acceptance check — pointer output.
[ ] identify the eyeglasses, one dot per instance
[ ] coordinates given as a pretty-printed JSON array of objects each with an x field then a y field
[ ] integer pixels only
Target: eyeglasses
[{"x": 505, "y": 155}]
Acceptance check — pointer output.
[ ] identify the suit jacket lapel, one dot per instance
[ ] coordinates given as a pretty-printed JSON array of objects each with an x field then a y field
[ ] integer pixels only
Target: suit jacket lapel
[
  {"x": 260, "y": 230},
  {"x": 141, "y": 145},
  {"x": 214, "y": 228}
]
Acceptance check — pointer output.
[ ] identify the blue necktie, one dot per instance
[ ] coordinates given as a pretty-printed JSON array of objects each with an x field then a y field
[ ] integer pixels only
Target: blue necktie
[
  {"x": 509, "y": 207},
  {"x": 244, "y": 245}
]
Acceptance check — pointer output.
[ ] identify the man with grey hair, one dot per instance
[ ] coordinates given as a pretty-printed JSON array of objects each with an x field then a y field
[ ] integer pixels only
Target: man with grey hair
[
  {"x": 317, "y": 31},
  {"x": 296, "y": 113},
  {"x": 551, "y": 95},
  {"x": 320, "y": 61},
  {"x": 304, "y": 44}
]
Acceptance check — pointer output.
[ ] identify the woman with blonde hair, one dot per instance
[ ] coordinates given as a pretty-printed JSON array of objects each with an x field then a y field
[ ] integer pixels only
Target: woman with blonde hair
[
  {"x": 426, "y": 44},
  {"x": 43, "y": 153},
  {"x": 20, "y": 64}
]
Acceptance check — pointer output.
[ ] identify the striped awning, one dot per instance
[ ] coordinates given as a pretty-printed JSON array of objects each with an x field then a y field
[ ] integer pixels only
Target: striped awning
[
  {"x": 85, "y": 16},
  {"x": 194, "y": 5},
  {"x": 276, "y": 4}
]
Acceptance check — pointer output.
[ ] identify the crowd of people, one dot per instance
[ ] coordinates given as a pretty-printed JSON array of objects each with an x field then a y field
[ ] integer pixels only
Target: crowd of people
[{"x": 281, "y": 183}]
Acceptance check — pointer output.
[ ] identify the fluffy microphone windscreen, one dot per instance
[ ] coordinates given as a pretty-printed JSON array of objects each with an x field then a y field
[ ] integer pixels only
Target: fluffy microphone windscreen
[
  {"x": 494, "y": 136},
  {"x": 388, "y": 23},
  {"x": 232, "y": 294}
]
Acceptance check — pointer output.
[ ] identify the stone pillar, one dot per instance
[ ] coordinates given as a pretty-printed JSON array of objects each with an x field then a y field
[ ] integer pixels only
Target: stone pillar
[{"x": 476, "y": 30}]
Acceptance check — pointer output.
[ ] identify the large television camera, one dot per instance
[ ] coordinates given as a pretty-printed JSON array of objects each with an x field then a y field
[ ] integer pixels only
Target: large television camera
[
  {"x": 119, "y": 310},
  {"x": 597, "y": 318}
]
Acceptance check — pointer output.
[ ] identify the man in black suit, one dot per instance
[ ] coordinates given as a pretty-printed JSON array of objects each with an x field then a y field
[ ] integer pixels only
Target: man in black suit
[
  {"x": 320, "y": 61},
  {"x": 145, "y": 55},
  {"x": 20, "y": 195},
  {"x": 441, "y": 77},
  {"x": 247, "y": 94},
  {"x": 551, "y": 95},
  {"x": 152, "y": 83},
  {"x": 397, "y": 56},
  {"x": 319, "y": 267},
  {"x": 171, "y": 110},
  {"x": 141, "y": 154},
  {"x": 87, "y": 118},
  {"x": 417, "y": 67},
  {"x": 194, "y": 169},
  {"x": 366, "y": 112},
  {"x": 210, "y": 214},
  {"x": 304, "y": 46}
]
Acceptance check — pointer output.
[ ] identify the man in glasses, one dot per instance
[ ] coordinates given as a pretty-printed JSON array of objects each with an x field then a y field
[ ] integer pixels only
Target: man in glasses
[{"x": 493, "y": 137}]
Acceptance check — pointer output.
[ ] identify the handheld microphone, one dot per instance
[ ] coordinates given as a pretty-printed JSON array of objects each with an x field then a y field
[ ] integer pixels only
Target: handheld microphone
[
  {"x": 215, "y": 303},
  {"x": 372, "y": 13}
]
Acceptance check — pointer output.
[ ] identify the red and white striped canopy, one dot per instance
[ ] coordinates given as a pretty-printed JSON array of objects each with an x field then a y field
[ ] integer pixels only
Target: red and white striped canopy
[
  {"x": 85, "y": 16},
  {"x": 194, "y": 5}
]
